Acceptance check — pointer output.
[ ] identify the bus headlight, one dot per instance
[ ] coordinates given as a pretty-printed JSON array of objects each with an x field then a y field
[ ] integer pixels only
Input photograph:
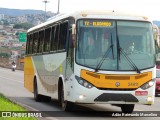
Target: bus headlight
[
  {"x": 83, "y": 82},
  {"x": 148, "y": 84}
]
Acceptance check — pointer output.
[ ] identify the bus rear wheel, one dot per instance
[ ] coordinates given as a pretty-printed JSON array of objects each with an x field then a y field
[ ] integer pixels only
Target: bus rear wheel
[
  {"x": 127, "y": 108},
  {"x": 66, "y": 105},
  {"x": 37, "y": 97}
]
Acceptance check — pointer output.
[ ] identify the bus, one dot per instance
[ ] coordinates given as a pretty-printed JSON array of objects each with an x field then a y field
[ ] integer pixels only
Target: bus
[{"x": 121, "y": 70}]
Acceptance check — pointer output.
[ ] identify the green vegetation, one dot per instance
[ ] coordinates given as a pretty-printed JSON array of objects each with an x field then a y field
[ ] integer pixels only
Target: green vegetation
[
  {"x": 5, "y": 55},
  {"x": 25, "y": 26},
  {"x": 6, "y": 105}
]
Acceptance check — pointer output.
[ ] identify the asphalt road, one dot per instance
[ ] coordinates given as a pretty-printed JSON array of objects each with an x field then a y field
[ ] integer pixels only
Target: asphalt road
[{"x": 11, "y": 85}]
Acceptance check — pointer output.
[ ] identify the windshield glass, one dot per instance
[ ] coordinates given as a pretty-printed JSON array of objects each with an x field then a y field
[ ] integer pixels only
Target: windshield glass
[{"x": 97, "y": 42}]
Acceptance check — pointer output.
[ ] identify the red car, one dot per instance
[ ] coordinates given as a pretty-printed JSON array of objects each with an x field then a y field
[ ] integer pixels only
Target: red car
[{"x": 157, "y": 91}]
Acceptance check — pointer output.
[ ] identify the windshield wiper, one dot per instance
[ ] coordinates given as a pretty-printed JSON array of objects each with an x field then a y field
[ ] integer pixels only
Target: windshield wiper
[
  {"x": 105, "y": 55},
  {"x": 129, "y": 60},
  {"x": 103, "y": 58},
  {"x": 119, "y": 51}
]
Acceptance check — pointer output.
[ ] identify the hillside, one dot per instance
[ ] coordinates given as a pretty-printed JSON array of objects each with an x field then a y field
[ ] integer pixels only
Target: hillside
[{"x": 19, "y": 12}]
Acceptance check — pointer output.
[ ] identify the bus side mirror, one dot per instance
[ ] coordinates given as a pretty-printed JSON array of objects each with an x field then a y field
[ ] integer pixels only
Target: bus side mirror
[{"x": 74, "y": 35}]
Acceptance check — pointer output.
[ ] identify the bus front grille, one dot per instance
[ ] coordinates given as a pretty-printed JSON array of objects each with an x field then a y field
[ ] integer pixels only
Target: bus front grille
[
  {"x": 106, "y": 97},
  {"x": 118, "y": 89}
]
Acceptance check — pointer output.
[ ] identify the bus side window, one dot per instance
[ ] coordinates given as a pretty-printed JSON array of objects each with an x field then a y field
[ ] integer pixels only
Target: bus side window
[
  {"x": 27, "y": 44},
  {"x": 70, "y": 52},
  {"x": 40, "y": 41},
  {"x": 46, "y": 46},
  {"x": 35, "y": 42},
  {"x": 52, "y": 42},
  {"x": 56, "y": 37},
  {"x": 30, "y": 44},
  {"x": 63, "y": 36}
]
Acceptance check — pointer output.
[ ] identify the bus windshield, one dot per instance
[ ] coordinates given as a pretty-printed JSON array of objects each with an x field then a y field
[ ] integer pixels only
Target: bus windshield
[{"x": 100, "y": 42}]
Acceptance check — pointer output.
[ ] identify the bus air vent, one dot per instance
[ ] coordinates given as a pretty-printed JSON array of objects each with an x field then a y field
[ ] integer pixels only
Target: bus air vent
[
  {"x": 93, "y": 75},
  {"x": 117, "y": 77},
  {"x": 141, "y": 76}
]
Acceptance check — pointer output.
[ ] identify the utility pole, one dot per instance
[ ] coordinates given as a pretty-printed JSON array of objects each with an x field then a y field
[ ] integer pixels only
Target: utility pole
[
  {"x": 45, "y": 2},
  {"x": 58, "y": 6}
]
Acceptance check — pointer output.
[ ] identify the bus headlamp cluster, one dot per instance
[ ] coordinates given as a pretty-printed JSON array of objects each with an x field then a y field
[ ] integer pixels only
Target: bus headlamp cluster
[
  {"x": 83, "y": 82},
  {"x": 148, "y": 84}
]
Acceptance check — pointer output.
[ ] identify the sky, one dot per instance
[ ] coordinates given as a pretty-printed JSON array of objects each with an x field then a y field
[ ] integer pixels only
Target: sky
[{"x": 150, "y": 8}]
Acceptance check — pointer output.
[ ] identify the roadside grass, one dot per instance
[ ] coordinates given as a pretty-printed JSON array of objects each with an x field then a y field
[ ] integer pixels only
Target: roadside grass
[{"x": 7, "y": 105}]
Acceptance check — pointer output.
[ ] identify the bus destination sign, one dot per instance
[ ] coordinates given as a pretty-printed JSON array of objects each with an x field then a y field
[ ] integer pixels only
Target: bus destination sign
[{"x": 97, "y": 23}]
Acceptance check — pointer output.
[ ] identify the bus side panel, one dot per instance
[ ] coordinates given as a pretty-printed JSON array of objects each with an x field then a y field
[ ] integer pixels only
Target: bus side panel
[
  {"x": 28, "y": 73},
  {"x": 48, "y": 68}
]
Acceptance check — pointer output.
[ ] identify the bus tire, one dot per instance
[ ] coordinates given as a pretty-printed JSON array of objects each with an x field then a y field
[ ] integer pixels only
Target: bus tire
[
  {"x": 66, "y": 105},
  {"x": 46, "y": 98},
  {"x": 37, "y": 97},
  {"x": 127, "y": 108}
]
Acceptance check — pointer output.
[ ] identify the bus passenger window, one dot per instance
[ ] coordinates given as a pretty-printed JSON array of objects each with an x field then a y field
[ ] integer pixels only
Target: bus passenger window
[
  {"x": 35, "y": 42},
  {"x": 47, "y": 40},
  {"x": 56, "y": 37},
  {"x": 40, "y": 41},
  {"x": 27, "y": 44},
  {"x": 52, "y": 42},
  {"x": 30, "y": 44},
  {"x": 63, "y": 36}
]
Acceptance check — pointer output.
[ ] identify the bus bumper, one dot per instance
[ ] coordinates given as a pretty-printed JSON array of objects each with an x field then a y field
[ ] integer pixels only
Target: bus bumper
[{"x": 94, "y": 95}]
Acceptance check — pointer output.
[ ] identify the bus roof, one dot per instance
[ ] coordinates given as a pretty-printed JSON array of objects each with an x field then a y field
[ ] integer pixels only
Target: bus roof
[{"x": 93, "y": 14}]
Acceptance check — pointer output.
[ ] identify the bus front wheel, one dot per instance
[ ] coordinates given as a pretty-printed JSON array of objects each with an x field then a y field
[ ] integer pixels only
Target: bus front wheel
[
  {"x": 127, "y": 108},
  {"x": 66, "y": 105}
]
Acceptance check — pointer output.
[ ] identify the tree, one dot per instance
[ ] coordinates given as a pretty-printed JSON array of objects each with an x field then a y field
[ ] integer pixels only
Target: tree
[
  {"x": 17, "y": 26},
  {"x": 23, "y": 25}
]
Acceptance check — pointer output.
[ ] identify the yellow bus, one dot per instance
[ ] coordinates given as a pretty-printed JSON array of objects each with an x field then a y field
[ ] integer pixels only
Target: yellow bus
[{"x": 92, "y": 57}]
